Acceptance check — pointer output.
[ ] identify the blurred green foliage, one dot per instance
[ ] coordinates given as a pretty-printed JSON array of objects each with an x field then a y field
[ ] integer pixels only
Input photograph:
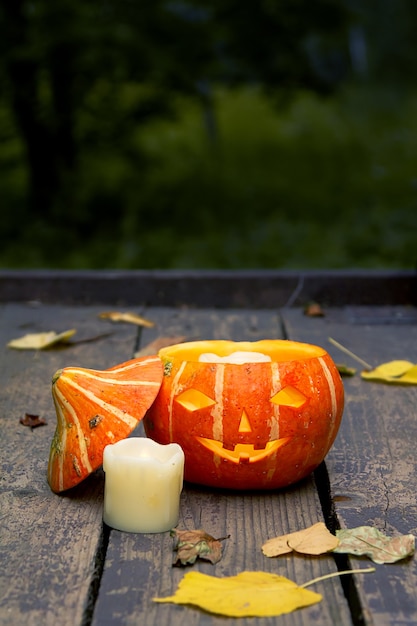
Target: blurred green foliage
[{"x": 165, "y": 169}]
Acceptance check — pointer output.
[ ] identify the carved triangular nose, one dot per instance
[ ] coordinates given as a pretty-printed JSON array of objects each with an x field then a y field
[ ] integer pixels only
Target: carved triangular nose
[{"x": 244, "y": 426}]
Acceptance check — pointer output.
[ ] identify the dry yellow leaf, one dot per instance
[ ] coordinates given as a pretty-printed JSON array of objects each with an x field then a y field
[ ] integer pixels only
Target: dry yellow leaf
[
  {"x": 131, "y": 318},
  {"x": 277, "y": 546},
  {"x": 314, "y": 540},
  {"x": 248, "y": 594},
  {"x": 40, "y": 341},
  {"x": 394, "y": 372},
  {"x": 394, "y": 368},
  {"x": 409, "y": 377}
]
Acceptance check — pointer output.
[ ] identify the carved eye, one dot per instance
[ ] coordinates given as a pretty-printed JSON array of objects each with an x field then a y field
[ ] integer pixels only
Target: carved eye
[
  {"x": 289, "y": 396},
  {"x": 193, "y": 400}
]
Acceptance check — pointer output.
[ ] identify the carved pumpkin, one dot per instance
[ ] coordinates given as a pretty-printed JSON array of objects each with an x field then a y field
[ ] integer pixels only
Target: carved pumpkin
[
  {"x": 248, "y": 415},
  {"x": 95, "y": 408}
]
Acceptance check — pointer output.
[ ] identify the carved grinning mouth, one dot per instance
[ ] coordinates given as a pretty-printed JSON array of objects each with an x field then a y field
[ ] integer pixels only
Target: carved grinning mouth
[{"x": 243, "y": 452}]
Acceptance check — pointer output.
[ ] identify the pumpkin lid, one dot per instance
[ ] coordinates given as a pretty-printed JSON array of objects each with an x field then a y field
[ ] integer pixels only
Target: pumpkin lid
[{"x": 95, "y": 408}]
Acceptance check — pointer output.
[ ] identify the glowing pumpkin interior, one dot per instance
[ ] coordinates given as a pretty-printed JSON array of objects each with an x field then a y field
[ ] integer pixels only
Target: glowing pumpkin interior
[{"x": 247, "y": 414}]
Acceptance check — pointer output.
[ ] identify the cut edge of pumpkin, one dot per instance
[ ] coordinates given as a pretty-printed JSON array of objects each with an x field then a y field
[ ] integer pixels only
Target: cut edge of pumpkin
[{"x": 279, "y": 350}]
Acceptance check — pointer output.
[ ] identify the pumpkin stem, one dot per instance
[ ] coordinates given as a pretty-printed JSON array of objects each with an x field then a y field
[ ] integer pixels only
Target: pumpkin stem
[
  {"x": 56, "y": 376},
  {"x": 351, "y": 354},
  {"x": 334, "y": 574}
]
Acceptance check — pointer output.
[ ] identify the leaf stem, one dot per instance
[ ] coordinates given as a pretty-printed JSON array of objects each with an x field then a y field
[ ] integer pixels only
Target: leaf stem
[
  {"x": 351, "y": 354},
  {"x": 334, "y": 574}
]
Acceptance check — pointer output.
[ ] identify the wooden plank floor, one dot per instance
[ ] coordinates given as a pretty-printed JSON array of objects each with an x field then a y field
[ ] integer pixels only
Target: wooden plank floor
[
  {"x": 48, "y": 543},
  {"x": 372, "y": 467},
  {"x": 127, "y": 586},
  {"x": 59, "y": 565}
]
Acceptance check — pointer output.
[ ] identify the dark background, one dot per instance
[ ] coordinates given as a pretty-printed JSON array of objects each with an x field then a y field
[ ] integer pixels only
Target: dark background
[{"x": 222, "y": 134}]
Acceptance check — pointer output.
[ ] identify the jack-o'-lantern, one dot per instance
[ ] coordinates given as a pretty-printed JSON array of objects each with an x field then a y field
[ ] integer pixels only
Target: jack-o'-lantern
[{"x": 248, "y": 415}]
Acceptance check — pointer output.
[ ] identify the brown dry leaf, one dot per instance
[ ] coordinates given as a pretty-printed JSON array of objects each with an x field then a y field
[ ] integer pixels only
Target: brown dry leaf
[
  {"x": 33, "y": 421},
  {"x": 193, "y": 544},
  {"x": 314, "y": 540},
  {"x": 161, "y": 342},
  {"x": 313, "y": 309},
  {"x": 40, "y": 341},
  {"x": 130, "y": 318},
  {"x": 249, "y": 594}
]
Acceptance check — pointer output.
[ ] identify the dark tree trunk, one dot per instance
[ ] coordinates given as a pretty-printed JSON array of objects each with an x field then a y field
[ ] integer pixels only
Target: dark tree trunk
[{"x": 48, "y": 137}]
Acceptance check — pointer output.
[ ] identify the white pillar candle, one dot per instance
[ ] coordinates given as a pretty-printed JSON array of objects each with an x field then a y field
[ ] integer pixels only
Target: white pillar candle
[{"x": 143, "y": 484}]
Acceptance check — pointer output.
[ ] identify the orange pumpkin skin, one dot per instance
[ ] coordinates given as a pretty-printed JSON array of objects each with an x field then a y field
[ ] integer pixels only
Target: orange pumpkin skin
[
  {"x": 259, "y": 425},
  {"x": 95, "y": 408}
]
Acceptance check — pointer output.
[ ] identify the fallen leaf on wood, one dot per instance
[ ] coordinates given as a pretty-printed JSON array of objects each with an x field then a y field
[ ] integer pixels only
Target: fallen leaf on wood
[
  {"x": 369, "y": 541},
  {"x": 314, "y": 540},
  {"x": 154, "y": 346},
  {"x": 193, "y": 544},
  {"x": 33, "y": 421},
  {"x": 277, "y": 546},
  {"x": 130, "y": 318},
  {"x": 344, "y": 370},
  {"x": 249, "y": 594},
  {"x": 40, "y": 341},
  {"x": 398, "y": 372},
  {"x": 393, "y": 372},
  {"x": 313, "y": 309}
]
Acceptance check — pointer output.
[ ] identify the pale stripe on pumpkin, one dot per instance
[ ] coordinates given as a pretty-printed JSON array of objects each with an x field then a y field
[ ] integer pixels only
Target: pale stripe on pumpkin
[
  {"x": 81, "y": 439},
  {"x": 275, "y": 387},
  {"x": 121, "y": 415},
  {"x": 332, "y": 391},
  {"x": 112, "y": 381},
  {"x": 217, "y": 410},
  {"x": 63, "y": 441},
  {"x": 174, "y": 393}
]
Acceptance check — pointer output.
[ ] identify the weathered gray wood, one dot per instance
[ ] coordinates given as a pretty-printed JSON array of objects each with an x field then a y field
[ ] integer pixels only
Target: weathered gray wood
[
  {"x": 48, "y": 543},
  {"x": 139, "y": 567},
  {"x": 219, "y": 288},
  {"x": 372, "y": 466},
  {"x": 213, "y": 323}
]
